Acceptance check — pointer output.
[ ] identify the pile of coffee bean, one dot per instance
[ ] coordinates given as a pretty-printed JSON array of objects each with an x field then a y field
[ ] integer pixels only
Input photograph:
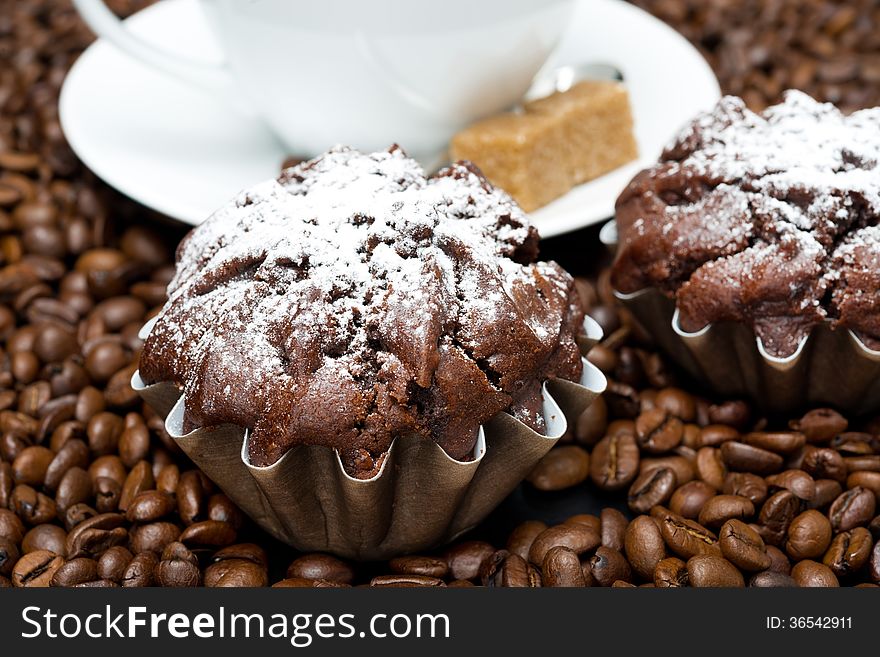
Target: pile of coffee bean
[
  {"x": 759, "y": 48},
  {"x": 93, "y": 492}
]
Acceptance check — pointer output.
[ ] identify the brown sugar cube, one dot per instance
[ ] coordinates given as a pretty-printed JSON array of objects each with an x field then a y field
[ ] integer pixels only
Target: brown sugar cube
[{"x": 556, "y": 143}]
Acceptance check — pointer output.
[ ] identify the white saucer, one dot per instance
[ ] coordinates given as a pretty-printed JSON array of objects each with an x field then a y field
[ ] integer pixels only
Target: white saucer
[{"x": 176, "y": 150}]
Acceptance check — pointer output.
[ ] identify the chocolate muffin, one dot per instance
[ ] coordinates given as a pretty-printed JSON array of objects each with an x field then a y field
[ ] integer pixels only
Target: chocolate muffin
[
  {"x": 768, "y": 219},
  {"x": 353, "y": 300}
]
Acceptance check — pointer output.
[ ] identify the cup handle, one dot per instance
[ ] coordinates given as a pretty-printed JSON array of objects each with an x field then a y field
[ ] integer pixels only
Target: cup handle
[{"x": 213, "y": 78}]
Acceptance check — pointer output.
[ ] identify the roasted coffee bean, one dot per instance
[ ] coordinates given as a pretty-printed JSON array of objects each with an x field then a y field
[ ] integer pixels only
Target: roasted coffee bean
[
  {"x": 677, "y": 402},
  {"x": 709, "y": 570},
  {"x": 561, "y": 468},
  {"x": 76, "y": 571},
  {"x": 644, "y": 545},
  {"x": 416, "y": 565},
  {"x": 113, "y": 563},
  {"x": 74, "y": 453},
  {"x": 178, "y": 567},
  {"x": 593, "y": 523},
  {"x": 326, "y": 567},
  {"x": 779, "y": 561},
  {"x": 592, "y": 422},
  {"x": 743, "y": 546},
  {"x": 710, "y": 468},
  {"x": 862, "y": 478},
  {"x": 190, "y": 497},
  {"x": 820, "y": 425},
  {"x": 6, "y": 484},
  {"x": 874, "y": 563},
  {"x": 715, "y": 434},
  {"x": 688, "y": 500},
  {"x": 769, "y": 579},
  {"x": 76, "y": 514},
  {"x": 141, "y": 571},
  {"x": 562, "y": 568},
  {"x": 614, "y": 462},
  {"x": 167, "y": 480},
  {"x": 405, "y": 581},
  {"x": 747, "y": 485},
  {"x": 810, "y": 573},
  {"x": 671, "y": 573},
  {"x": 32, "y": 507},
  {"x": 682, "y": 467},
  {"x": 36, "y": 569},
  {"x": 776, "y": 515},
  {"x": 138, "y": 480},
  {"x": 149, "y": 506},
  {"x": 797, "y": 481},
  {"x": 849, "y": 552},
  {"x": 152, "y": 537},
  {"x": 781, "y": 442},
  {"x": 208, "y": 533},
  {"x": 608, "y": 566},
  {"x": 852, "y": 508},
  {"x": 75, "y": 487},
  {"x": 134, "y": 441},
  {"x": 45, "y": 537},
  {"x": 809, "y": 535},
  {"x": 235, "y": 573},
  {"x": 522, "y": 537},
  {"x": 578, "y": 538},
  {"x": 722, "y": 508},
  {"x": 9, "y": 555},
  {"x": 658, "y": 431},
  {"x": 686, "y": 538},
  {"x": 107, "y": 493},
  {"x": 31, "y": 464},
  {"x": 746, "y": 458},
  {"x": 103, "y": 431},
  {"x": 650, "y": 489},
  {"x": 827, "y": 490},
  {"x": 108, "y": 466},
  {"x": 613, "y": 528},
  {"x": 514, "y": 572},
  {"x": 824, "y": 463}
]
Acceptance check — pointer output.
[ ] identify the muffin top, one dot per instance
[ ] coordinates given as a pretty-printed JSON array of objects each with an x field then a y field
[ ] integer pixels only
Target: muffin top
[
  {"x": 353, "y": 300},
  {"x": 768, "y": 219}
]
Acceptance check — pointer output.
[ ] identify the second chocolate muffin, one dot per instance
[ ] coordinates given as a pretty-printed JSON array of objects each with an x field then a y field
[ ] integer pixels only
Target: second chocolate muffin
[
  {"x": 354, "y": 300},
  {"x": 766, "y": 219}
]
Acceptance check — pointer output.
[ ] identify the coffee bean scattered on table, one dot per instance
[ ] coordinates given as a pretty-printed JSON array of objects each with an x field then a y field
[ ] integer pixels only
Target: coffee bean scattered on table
[{"x": 93, "y": 492}]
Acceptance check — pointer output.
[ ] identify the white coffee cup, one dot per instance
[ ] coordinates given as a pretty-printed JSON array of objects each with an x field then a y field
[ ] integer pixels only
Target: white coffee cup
[{"x": 367, "y": 73}]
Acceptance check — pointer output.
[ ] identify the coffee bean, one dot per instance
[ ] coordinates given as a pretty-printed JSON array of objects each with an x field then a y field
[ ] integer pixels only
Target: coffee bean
[
  {"x": 745, "y": 484},
  {"x": 149, "y": 506},
  {"x": 36, "y": 569},
  {"x": 813, "y": 574},
  {"x": 561, "y": 468},
  {"x": 658, "y": 431},
  {"x": 686, "y": 538},
  {"x": 113, "y": 563},
  {"x": 578, "y": 538},
  {"x": 614, "y": 462},
  {"x": 688, "y": 500},
  {"x": 152, "y": 537},
  {"x": 743, "y": 457},
  {"x": 30, "y": 466},
  {"x": 9, "y": 555},
  {"x": 613, "y": 528},
  {"x": 562, "y": 568},
  {"x": 592, "y": 422},
  {"x": 235, "y": 573},
  {"x": 820, "y": 425},
  {"x": 709, "y": 570},
  {"x": 405, "y": 581},
  {"x": 721, "y": 508},
  {"x": 208, "y": 533},
  {"x": 827, "y": 490},
  {"x": 824, "y": 463},
  {"x": 326, "y": 567},
  {"x": 671, "y": 573},
  {"x": 522, "y": 537},
  {"x": 141, "y": 570},
  {"x": 809, "y": 535},
  {"x": 849, "y": 552},
  {"x": 865, "y": 479},
  {"x": 852, "y": 508},
  {"x": 515, "y": 573},
  {"x": 798, "y": 482},
  {"x": 178, "y": 567},
  {"x": 76, "y": 571},
  {"x": 45, "y": 537},
  {"x": 32, "y": 507},
  {"x": 743, "y": 546},
  {"x": 608, "y": 566},
  {"x": 650, "y": 489},
  {"x": 190, "y": 497},
  {"x": 769, "y": 579},
  {"x": 682, "y": 467},
  {"x": 776, "y": 515},
  {"x": 74, "y": 453},
  {"x": 75, "y": 487},
  {"x": 138, "y": 480},
  {"x": 710, "y": 468},
  {"x": 416, "y": 565},
  {"x": 644, "y": 545}
]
